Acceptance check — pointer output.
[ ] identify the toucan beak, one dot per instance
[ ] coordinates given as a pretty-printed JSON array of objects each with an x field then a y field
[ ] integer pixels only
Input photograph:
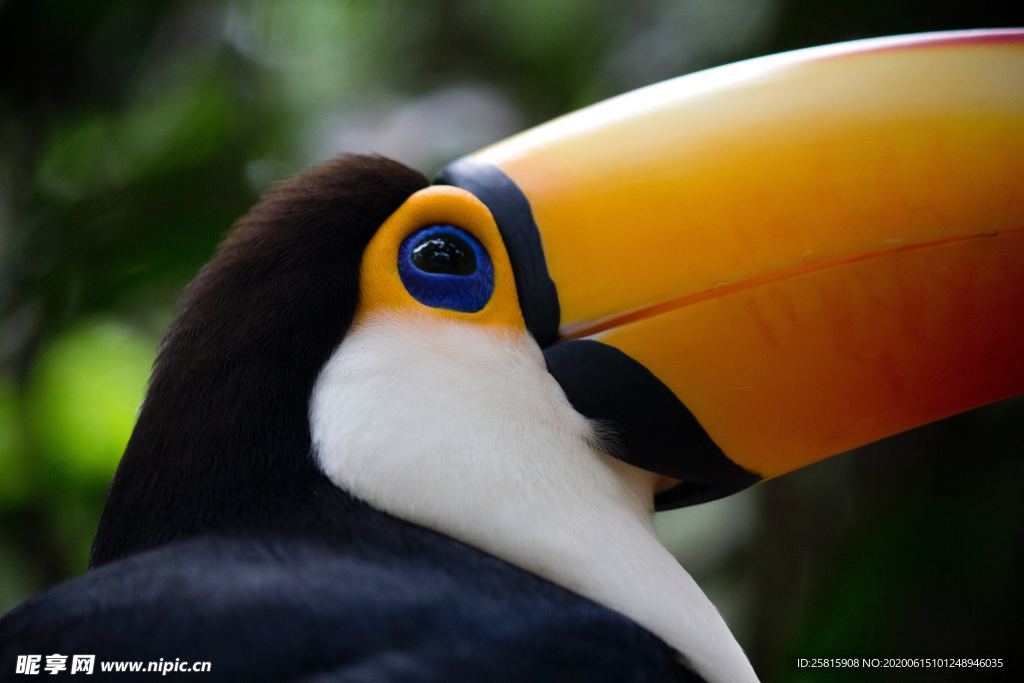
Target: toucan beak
[{"x": 809, "y": 251}]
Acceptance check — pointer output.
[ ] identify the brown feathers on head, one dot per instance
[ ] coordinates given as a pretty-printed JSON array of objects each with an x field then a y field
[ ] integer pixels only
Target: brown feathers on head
[{"x": 222, "y": 440}]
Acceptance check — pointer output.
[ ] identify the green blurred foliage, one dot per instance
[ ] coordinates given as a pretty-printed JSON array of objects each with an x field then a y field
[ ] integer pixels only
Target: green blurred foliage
[
  {"x": 132, "y": 134},
  {"x": 84, "y": 393}
]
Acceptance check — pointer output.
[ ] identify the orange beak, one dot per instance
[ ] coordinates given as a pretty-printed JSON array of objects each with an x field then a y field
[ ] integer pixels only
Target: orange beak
[{"x": 810, "y": 251}]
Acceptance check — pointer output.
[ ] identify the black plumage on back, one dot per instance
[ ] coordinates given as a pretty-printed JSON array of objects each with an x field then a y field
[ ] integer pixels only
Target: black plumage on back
[{"x": 392, "y": 602}]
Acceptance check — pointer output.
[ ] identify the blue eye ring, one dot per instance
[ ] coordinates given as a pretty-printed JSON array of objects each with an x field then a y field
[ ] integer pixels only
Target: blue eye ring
[{"x": 443, "y": 266}]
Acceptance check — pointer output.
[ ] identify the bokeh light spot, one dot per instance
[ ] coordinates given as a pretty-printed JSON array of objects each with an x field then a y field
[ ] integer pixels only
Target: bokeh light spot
[{"x": 85, "y": 391}]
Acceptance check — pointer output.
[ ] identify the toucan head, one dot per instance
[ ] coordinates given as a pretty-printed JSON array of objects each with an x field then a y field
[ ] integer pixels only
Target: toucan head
[{"x": 668, "y": 296}]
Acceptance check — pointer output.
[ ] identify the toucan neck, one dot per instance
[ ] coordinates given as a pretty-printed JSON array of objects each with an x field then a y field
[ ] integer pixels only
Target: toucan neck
[
  {"x": 508, "y": 466},
  {"x": 217, "y": 446}
]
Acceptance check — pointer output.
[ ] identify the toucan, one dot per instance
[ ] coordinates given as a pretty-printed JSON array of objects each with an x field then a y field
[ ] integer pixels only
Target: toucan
[{"x": 404, "y": 430}]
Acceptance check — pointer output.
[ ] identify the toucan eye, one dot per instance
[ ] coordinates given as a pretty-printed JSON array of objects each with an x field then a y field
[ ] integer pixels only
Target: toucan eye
[
  {"x": 443, "y": 266},
  {"x": 444, "y": 254}
]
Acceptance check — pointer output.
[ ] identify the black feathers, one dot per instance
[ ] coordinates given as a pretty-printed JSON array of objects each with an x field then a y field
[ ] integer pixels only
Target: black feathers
[
  {"x": 222, "y": 441},
  {"x": 407, "y": 606}
]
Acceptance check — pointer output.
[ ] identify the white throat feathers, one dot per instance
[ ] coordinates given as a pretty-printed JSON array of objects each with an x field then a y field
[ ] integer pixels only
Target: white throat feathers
[{"x": 460, "y": 428}]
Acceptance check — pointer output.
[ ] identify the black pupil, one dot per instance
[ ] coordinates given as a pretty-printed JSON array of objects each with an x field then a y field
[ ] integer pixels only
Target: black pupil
[{"x": 444, "y": 254}]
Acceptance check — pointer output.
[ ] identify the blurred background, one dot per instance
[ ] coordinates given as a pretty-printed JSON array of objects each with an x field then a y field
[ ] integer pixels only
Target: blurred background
[{"x": 132, "y": 134}]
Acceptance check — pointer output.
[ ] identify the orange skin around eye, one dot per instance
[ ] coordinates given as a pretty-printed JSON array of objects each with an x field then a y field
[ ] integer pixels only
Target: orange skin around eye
[{"x": 381, "y": 288}]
